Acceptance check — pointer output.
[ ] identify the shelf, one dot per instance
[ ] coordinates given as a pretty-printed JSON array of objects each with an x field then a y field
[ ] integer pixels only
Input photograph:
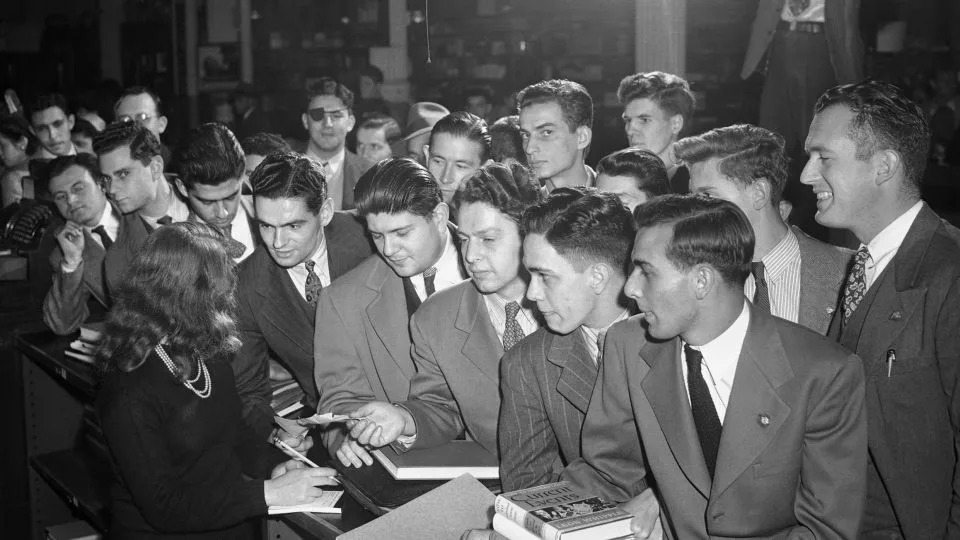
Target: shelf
[
  {"x": 46, "y": 350},
  {"x": 80, "y": 479}
]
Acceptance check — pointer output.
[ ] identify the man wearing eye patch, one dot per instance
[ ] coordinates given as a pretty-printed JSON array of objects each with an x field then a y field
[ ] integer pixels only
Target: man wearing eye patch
[
  {"x": 328, "y": 119},
  {"x": 141, "y": 105}
]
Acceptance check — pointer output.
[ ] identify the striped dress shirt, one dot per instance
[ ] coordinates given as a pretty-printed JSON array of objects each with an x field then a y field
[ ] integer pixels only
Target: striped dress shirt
[{"x": 782, "y": 269}]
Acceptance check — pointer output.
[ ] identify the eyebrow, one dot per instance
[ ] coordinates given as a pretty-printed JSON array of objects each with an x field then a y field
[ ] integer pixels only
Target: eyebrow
[
  {"x": 484, "y": 231},
  {"x": 232, "y": 195},
  {"x": 539, "y": 270},
  {"x": 287, "y": 224}
]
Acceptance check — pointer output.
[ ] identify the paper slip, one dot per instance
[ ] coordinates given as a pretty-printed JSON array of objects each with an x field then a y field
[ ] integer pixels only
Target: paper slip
[
  {"x": 325, "y": 504},
  {"x": 323, "y": 419}
]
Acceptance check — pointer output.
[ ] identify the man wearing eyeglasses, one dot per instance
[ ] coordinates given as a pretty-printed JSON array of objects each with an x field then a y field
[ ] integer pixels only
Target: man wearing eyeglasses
[
  {"x": 328, "y": 119},
  {"x": 140, "y": 104}
]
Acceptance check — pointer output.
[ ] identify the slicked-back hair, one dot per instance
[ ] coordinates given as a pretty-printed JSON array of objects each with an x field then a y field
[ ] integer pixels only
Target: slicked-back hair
[
  {"x": 585, "y": 226},
  {"x": 884, "y": 118},
  {"x": 191, "y": 303},
  {"x": 16, "y": 127},
  {"x": 509, "y": 190},
  {"x": 136, "y": 91},
  {"x": 574, "y": 100},
  {"x": 328, "y": 86},
  {"x": 210, "y": 155},
  {"x": 264, "y": 144},
  {"x": 87, "y": 162},
  {"x": 390, "y": 127},
  {"x": 143, "y": 144},
  {"x": 646, "y": 168},
  {"x": 397, "y": 185},
  {"x": 506, "y": 141},
  {"x": 745, "y": 153},
  {"x": 466, "y": 125},
  {"x": 48, "y": 101},
  {"x": 705, "y": 231},
  {"x": 287, "y": 175},
  {"x": 670, "y": 92}
]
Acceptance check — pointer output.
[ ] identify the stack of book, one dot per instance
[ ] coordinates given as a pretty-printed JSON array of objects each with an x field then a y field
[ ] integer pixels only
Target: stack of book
[
  {"x": 287, "y": 397},
  {"x": 558, "y": 512},
  {"x": 84, "y": 348}
]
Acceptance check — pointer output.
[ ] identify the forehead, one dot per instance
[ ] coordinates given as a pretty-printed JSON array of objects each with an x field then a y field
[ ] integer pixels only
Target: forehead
[
  {"x": 538, "y": 114},
  {"x": 326, "y": 102},
  {"x": 644, "y": 107},
  {"x": 451, "y": 146},
  {"x": 281, "y": 210},
  {"x": 136, "y": 104},
  {"x": 371, "y": 134},
  {"x": 222, "y": 190},
  {"x": 617, "y": 184},
  {"x": 829, "y": 125},
  {"x": 118, "y": 157},
  {"x": 539, "y": 253},
  {"x": 480, "y": 216},
  {"x": 384, "y": 222},
  {"x": 651, "y": 242},
  {"x": 68, "y": 177},
  {"x": 48, "y": 116}
]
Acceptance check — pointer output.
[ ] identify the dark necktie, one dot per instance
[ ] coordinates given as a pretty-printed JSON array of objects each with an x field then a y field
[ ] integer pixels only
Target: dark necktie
[
  {"x": 411, "y": 296},
  {"x": 313, "y": 286},
  {"x": 165, "y": 220},
  {"x": 761, "y": 294},
  {"x": 104, "y": 237},
  {"x": 704, "y": 411},
  {"x": 429, "y": 279},
  {"x": 856, "y": 287},
  {"x": 512, "y": 333},
  {"x": 235, "y": 248}
]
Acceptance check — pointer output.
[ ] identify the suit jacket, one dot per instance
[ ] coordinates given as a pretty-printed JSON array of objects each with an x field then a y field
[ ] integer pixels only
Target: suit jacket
[
  {"x": 133, "y": 233},
  {"x": 913, "y": 311},
  {"x": 353, "y": 168},
  {"x": 823, "y": 269},
  {"x": 792, "y": 459},
  {"x": 842, "y": 31},
  {"x": 457, "y": 354},
  {"x": 274, "y": 319},
  {"x": 545, "y": 381},
  {"x": 72, "y": 296}
]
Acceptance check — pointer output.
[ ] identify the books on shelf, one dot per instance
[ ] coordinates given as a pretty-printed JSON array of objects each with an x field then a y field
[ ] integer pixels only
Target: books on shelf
[
  {"x": 287, "y": 397},
  {"x": 326, "y": 503},
  {"x": 440, "y": 463},
  {"x": 559, "y": 512},
  {"x": 84, "y": 348}
]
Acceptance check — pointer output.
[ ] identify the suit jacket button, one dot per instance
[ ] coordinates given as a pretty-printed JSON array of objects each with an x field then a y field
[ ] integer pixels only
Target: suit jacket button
[{"x": 764, "y": 420}]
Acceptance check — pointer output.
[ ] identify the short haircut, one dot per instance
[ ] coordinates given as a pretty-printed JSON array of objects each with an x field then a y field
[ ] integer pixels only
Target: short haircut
[
  {"x": 645, "y": 167},
  {"x": 390, "y": 127},
  {"x": 16, "y": 127},
  {"x": 510, "y": 190},
  {"x": 48, "y": 101},
  {"x": 264, "y": 144},
  {"x": 136, "y": 91},
  {"x": 585, "y": 226},
  {"x": 60, "y": 164},
  {"x": 210, "y": 155},
  {"x": 397, "y": 185},
  {"x": 478, "y": 91},
  {"x": 705, "y": 231},
  {"x": 506, "y": 141},
  {"x": 287, "y": 175},
  {"x": 85, "y": 128},
  {"x": 465, "y": 125},
  {"x": 574, "y": 100},
  {"x": 143, "y": 144},
  {"x": 745, "y": 154},
  {"x": 328, "y": 86},
  {"x": 670, "y": 92},
  {"x": 884, "y": 118}
]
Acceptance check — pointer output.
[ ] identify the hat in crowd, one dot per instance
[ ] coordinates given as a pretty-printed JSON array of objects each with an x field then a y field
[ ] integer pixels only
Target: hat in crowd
[{"x": 423, "y": 115}]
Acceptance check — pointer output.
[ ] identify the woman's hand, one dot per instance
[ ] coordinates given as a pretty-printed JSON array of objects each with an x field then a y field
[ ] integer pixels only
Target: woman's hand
[{"x": 297, "y": 485}]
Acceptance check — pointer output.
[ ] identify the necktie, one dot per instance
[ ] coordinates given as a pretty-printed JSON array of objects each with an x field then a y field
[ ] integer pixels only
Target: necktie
[
  {"x": 856, "y": 287},
  {"x": 761, "y": 295},
  {"x": 313, "y": 286},
  {"x": 234, "y": 247},
  {"x": 601, "y": 338},
  {"x": 104, "y": 237},
  {"x": 165, "y": 220},
  {"x": 512, "y": 333},
  {"x": 429, "y": 278},
  {"x": 704, "y": 411}
]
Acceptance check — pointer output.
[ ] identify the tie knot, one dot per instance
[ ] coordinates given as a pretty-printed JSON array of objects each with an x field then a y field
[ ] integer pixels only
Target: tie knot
[
  {"x": 310, "y": 264},
  {"x": 165, "y": 220},
  {"x": 757, "y": 269},
  {"x": 862, "y": 256},
  {"x": 694, "y": 358},
  {"x": 512, "y": 308}
]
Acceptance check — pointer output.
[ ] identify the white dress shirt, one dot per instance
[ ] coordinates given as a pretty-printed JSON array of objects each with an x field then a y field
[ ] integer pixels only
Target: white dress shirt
[
  {"x": 333, "y": 174},
  {"x": 240, "y": 231},
  {"x": 885, "y": 245},
  {"x": 594, "y": 336},
  {"x": 720, "y": 359},
  {"x": 814, "y": 12},
  {"x": 298, "y": 273},
  {"x": 176, "y": 209},
  {"x": 781, "y": 268},
  {"x": 448, "y": 270},
  {"x": 497, "y": 311},
  {"x": 110, "y": 222}
]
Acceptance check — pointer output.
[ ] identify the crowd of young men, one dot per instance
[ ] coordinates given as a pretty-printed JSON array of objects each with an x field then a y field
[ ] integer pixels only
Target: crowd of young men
[{"x": 693, "y": 357}]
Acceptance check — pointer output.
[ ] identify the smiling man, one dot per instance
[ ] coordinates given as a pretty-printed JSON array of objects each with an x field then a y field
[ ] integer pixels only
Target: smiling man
[
  {"x": 556, "y": 122},
  {"x": 52, "y": 122},
  {"x": 460, "y": 334},
  {"x": 92, "y": 226},
  {"x": 363, "y": 320},
  {"x": 752, "y": 426},
  {"x": 459, "y": 145},
  {"x": 306, "y": 245}
]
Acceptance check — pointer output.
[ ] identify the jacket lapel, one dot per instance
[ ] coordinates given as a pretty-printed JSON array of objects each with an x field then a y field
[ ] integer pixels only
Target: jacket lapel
[
  {"x": 578, "y": 374},
  {"x": 755, "y": 411},
  {"x": 664, "y": 387},
  {"x": 279, "y": 296},
  {"x": 481, "y": 345},
  {"x": 817, "y": 301},
  {"x": 93, "y": 255},
  {"x": 387, "y": 312}
]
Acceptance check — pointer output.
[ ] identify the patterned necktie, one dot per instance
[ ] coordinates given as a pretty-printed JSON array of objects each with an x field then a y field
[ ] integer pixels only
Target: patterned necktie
[
  {"x": 761, "y": 295},
  {"x": 512, "y": 333},
  {"x": 429, "y": 279},
  {"x": 856, "y": 287},
  {"x": 313, "y": 284},
  {"x": 165, "y": 220},
  {"x": 104, "y": 237},
  {"x": 797, "y": 7},
  {"x": 235, "y": 248},
  {"x": 704, "y": 411}
]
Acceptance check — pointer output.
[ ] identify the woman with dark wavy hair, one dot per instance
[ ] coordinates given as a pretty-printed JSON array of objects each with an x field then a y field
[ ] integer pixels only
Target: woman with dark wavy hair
[{"x": 168, "y": 404}]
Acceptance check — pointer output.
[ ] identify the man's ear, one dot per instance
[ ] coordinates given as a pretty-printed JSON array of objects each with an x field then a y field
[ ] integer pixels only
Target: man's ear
[
  {"x": 760, "y": 193},
  {"x": 305, "y": 121},
  {"x": 887, "y": 163},
  {"x": 351, "y": 121},
  {"x": 156, "y": 167},
  {"x": 181, "y": 188},
  {"x": 71, "y": 120},
  {"x": 161, "y": 124},
  {"x": 584, "y": 137},
  {"x": 676, "y": 125},
  {"x": 440, "y": 215},
  {"x": 704, "y": 280},
  {"x": 426, "y": 154},
  {"x": 326, "y": 212},
  {"x": 600, "y": 274}
]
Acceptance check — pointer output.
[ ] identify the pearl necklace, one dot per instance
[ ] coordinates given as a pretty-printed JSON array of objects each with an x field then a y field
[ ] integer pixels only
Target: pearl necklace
[{"x": 201, "y": 371}]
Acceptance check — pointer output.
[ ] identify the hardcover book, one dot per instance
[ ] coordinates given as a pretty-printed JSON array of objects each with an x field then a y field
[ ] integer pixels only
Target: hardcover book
[
  {"x": 558, "y": 511},
  {"x": 440, "y": 463}
]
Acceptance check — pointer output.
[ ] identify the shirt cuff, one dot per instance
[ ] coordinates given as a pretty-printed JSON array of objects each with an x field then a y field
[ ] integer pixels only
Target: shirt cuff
[{"x": 70, "y": 268}]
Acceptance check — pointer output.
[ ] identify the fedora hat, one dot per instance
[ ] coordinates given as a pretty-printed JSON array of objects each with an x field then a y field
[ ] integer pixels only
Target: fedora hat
[{"x": 423, "y": 115}]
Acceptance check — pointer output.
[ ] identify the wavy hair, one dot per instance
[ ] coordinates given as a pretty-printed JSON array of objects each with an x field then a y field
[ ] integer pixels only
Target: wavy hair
[
  {"x": 509, "y": 190},
  {"x": 189, "y": 304}
]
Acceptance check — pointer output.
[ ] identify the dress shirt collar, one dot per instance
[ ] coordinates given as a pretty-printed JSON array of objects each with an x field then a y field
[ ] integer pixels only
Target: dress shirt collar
[
  {"x": 884, "y": 245},
  {"x": 782, "y": 256},
  {"x": 109, "y": 221},
  {"x": 595, "y": 336},
  {"x": 334, "y": 164},
  {"x": 497, "y": 312},
  {"x": 722, "y": 354},
  {"x": 448, "y": 269}
]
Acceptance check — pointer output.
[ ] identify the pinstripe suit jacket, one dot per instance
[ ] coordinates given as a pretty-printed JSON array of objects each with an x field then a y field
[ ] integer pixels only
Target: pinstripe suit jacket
[{"x": 545, "y": 382}]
